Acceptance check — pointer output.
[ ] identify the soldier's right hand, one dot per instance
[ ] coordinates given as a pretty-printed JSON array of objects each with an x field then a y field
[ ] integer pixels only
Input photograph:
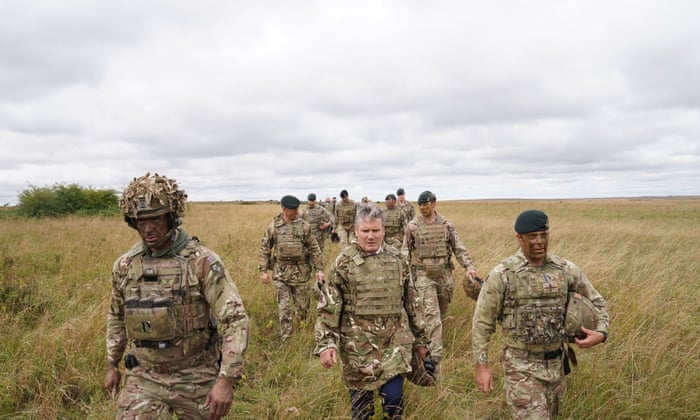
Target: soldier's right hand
[
  {"x": 265, "y": 277},
  {"x": 112, "y": 379}
]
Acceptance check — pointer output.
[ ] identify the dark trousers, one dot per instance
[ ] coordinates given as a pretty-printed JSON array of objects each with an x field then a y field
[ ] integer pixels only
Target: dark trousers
[{"x": 391, "y": 394}]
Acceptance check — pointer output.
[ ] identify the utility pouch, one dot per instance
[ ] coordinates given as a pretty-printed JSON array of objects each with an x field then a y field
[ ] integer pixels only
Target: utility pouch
[{"x": 150, "y": 324}]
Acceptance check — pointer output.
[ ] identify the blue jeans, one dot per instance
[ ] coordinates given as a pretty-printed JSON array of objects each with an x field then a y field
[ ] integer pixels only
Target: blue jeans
[{"x": 391, "y": 394}]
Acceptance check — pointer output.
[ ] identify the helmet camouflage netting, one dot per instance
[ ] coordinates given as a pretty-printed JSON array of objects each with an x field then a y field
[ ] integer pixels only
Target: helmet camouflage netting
[{"x": 149, "y": 196}]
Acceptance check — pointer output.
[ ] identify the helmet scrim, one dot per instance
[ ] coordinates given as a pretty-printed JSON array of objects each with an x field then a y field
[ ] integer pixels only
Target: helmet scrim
[{"x": 149, "y": 196}]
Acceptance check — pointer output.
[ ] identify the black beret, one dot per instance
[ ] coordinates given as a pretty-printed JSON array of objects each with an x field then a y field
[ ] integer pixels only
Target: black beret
[
  {"x": 425, "y": 197},
  {"x": 344, "y": 193},
  {"x": 311, "y": 197},
  {"x": 400, "y": 191},
  {"x": 390, "y": 197},
  {"x": 531, "y": 221},
  {"x": 289, "y": 202}
]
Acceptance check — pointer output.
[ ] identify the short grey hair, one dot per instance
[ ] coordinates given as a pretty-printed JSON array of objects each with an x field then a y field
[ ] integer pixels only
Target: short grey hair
[{"x": 369, "y": 212}]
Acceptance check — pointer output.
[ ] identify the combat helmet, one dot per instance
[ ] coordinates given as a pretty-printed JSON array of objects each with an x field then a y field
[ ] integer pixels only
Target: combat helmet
[
  {"x": 579, "y": 312},
  {"x": 153, "y": 195}
]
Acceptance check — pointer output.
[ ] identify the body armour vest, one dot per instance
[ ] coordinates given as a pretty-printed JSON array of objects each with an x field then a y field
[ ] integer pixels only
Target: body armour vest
[
  {"x": 431, "y": 240},
  {"x": 535, "y": 302},
  {"x": 375, "y": 285},
  {"x": 346, "y": 213},
  {"x": 313, "y": 216},
  {"x": 164, "y": 306},
  {"x": 393, "y": 222},
  {"x": 289, "y": 242}
]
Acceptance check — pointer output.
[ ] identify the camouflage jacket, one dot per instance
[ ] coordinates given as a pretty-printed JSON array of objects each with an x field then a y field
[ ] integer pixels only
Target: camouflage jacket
[
  {"x": 208, "y": 280},
  {"x": 316, "y": 217},
  {"x": 490, "y": 305},
  {"x": 370, "y": 313},
  {"x": 299, "y": 231},
  {"x": 394, "y": 226},
  {"x": 408, "y": 209},
  {"x": 345, "y": 214},
  {"x": 452, "y": 242}
]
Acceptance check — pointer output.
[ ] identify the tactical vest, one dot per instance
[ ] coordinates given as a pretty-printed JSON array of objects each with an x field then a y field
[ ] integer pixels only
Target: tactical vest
[
  {"x": 393, "y": 223},
  {"x": 431, "y": 240},
  {"x": 376, "y": 285},
  {"x": 164, "y": 305},
  {"x": 289, "y": 242},
  {"x": 313, "y": 216},
  {"x": 346, "y": 213},
  {"x": 534, "y": 306}
]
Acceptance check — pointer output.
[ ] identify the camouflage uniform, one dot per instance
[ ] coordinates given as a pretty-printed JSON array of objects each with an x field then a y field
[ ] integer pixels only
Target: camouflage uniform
[
  {"x": 317, "y": 216},
  {"x": 407, "y": 208},
  {"x": 529, "y": 302},
  {"x": 370, "y": 313},
  {"x": 394, "y": 226},
  {"x": 296, "y": 253},
  {"x": 176, "y": 308},
  {"x": 429, "y": 248},
  {"x": 345, "y": 220},
  {"x": 174, "y": 294}
]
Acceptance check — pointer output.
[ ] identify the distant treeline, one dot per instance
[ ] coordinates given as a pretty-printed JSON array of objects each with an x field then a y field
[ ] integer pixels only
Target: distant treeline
[{"x": 62, "y": 200}]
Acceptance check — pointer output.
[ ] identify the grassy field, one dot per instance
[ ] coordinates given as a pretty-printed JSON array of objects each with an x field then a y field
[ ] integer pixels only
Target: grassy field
[{"x": 643, "y": 255}]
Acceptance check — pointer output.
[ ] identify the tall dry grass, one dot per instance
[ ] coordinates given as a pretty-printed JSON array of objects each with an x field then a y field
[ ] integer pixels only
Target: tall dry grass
[{"x": 641, "y": 254}]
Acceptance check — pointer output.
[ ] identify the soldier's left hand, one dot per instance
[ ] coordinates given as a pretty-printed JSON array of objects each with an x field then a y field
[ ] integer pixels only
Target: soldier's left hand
[
  {"x": 592, "y": 338},
  {"x": 219, "y": 399},
  {"x": 320, "y": 276}
]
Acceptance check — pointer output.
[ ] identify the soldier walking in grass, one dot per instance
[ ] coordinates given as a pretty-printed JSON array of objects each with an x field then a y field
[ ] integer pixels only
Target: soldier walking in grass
[
  {"x": 405, "y": 205},
  {"x": 429, "y": 243},
  {"x": 175, "y": 311},
  {"x": 528, "y": 295},
  {"x": 345, "y": 217},
  {"x": 370, "y": 316},
  {"x": 290, "y": 250},
  {"x": 394, "y": 222},
  {"x": 319, "y": 218}
]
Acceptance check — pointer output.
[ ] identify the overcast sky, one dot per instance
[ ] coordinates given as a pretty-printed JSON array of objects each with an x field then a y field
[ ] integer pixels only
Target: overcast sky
[{"x": 243, "y": 100}]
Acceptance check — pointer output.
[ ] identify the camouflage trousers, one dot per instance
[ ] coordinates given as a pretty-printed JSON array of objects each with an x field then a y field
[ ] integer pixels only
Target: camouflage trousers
[
  {"x": 293, "y": 302},
  {"x": 321, "y": 240},
  {"x": 150, "y": 395},
  {"x": 346, "y": 235},
  {"x": 436, "y": 295},
  {"x": 534, "y": 387}
]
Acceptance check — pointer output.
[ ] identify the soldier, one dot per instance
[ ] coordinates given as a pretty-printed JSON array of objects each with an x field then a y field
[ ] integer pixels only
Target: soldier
[
  {"x": 176, "y": 308},
  {"x": 429, "y": 243},
  {"x": 345, "y": 217},
  {"x": 296, "y": 254},
  {"x": 370, "y": 314},
  {"x": 404, "y": 205},
  {"x": 394, "y": 222},
  {"x": 319, "y": 218},
  {"x": 527, "y": 294}
]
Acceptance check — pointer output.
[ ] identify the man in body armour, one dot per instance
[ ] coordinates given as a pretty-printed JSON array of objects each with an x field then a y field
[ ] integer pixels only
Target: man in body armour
[
  {"x": 176, "y": 308},
  {"x": 369, "y": 314},
  {"x": 394, "y": 222},
  {"x": 405, "y": 205},
  {"x": 319, "y": 218},
  {"x": 296, "y": 254},
  {"x": 527, "y": 294},
  {"x": 345, "y": 217},
  {"x": 429, "y": 243}
]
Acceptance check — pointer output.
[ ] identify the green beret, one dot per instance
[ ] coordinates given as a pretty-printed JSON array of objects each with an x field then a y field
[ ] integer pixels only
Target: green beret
[
  {"x": 289, "y": 202},
  {"x": 311, "y": 197},
  {"x": 425, "y": 197},
  {"x": 390, "y": 197},
  {"x": 400, "y": 191},
  {"x": 531, "y": 221}
]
